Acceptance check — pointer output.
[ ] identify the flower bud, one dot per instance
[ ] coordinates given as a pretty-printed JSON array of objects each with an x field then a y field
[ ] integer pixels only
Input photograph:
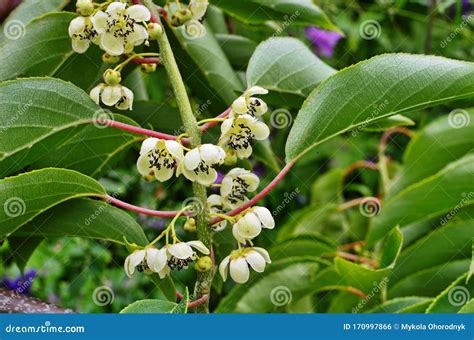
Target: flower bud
[
  {"x": 181, "y": 16},
  {"x": 148, "y": 68},
  {"x": 204, "y": 264},
  {"x": 110, "y": 59},
  {"x": 112, "y": 77},
  {"x": 230, "y": 158},
  {"x": 155, "y": 31},
  {"x": 85, "y": 7},
  {"x": 190, "y": 225}
]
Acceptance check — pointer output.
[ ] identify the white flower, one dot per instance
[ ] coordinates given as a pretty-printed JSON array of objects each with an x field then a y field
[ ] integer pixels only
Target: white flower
[
  {"x": 239, "y": 261},
  {"x": 159, "y": 158},
  {"x": 250, "y": 225},
  {"x": 145, "y": 260},
  {"x": 246, "y": 104},
  {"x": 193, "y": 27},
  {"x": 82, "y": 33},
  {"x": 199, "y": 163},
  {"x": 216, "y": 205},
  {"x": 238, "y": 133},
  {"x": 179, "y": 255},
  {"x": 235, "y": 185},
  {"x": 111, "y": 95},
  {"x": 118, "y": 27}
]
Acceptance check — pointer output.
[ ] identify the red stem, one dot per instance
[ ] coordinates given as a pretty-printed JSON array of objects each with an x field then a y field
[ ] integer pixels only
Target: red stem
[
  {"x": 146, "y": 60},
  {"x": 208, "y": 125},
  {"x": 359, "y": 165},
  {"x": 198, "y": 302},
  {"x": 388, "y": 133},
  {"x": 144, "y": 211},
  {"x": 141, "y": 131},
  {"x": 260, "y": 195}
]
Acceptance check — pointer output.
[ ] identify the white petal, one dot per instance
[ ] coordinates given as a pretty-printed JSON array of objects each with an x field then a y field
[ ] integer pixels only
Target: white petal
[
  {"x": 219, "y": 226},
  {"x": 214, "y": 200},
  {"x": 111, "y": 95},
  {"x": 244, "y": 153},
  {"x": 255, "y": 90},
  {"x": 192, "y": 159},
  {"x": 164, "y": 272},
  {"x": 99, "y": 21},
  {"x": 76, "y": 26},
  {"x": 226, "y": 125},
  {"x": 80, "y": 46},
  {"x": 148, "y": 145},
  {"x": 189, "y": 174},
  {"x": 251, "y": 180},
  {"x": 223, "y": 267},
  {"x": 143, "y": 165},
  {"x": 260, "y": 109},
  {"x": 264, "y": 253},
  {"x": 138, "y": 36},
  {"x": 180, "y": 250},
  {"x": 115, "y": 7},
  {"x": 249, "y": 226},
  {"x": 265, "y": 217},
  {"x": 133, "y": 260},
  {"x": 127, "y": 96},
  {"x": 95, "y": 93},
  {"x": 240, "y": 105},
  {"x": 256, "y": 261},
  {"x": 163, "y": 174},
  {"x": 235, "y": 233},
  {"x": 139, "y": 13},
  {"x": 198, "y": 8},
  {"x": 175, "y": 149},
  {"x": 260, "y": 130},
  {"x": 206, "y": 178},
  {"x": 156, "y": 259},
  {"x": 239, "y": 270},
  {"x": 112, "y": 45},
  {"x": 199, "y": 246},
  {"x": 209, "y": 153},
  {"x": 226, "y": 185}
]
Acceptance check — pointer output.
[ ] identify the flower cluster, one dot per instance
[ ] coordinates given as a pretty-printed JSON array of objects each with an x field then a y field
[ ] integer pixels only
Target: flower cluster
[{"x": 189, "y": 17}]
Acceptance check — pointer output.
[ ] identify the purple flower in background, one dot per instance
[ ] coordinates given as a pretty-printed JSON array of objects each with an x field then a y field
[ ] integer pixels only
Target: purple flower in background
[
  {"x": 220, "y": 177},
  {"x": 466, "y": 8},
  {"x": 259, "y": 170},
  {"x": 21, "y": 285},
  {"x": 323, "y": 41}
]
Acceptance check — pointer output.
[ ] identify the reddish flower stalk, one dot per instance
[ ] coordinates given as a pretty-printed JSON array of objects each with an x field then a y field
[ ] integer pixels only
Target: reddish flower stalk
[
  {"x": 356, "y": 292},
  {"x": 141, "y": 131},
  {"x": 350, "y": 246},
  {"x": 208, "y": 125},
  {"x": 260, "y": 195},
  {"x": 390, "y": 132},
  {"x": 194, "y": 303},
  {"x": 146, "y": 60},
  {"x": 356, "y": 258},
  {"x": 361, "y": 165},
  {"x": 144, "y": 211}
]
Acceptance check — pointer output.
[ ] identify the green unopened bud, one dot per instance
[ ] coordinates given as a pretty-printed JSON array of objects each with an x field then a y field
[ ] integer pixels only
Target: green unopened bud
[
  {"x": 190, "y": 225},
  {"x": 112, "y": 77},
  {"x": 230, "y": 158},
  {"x": 148, "y": 68},
  {"x": 85, "y": 7},
  {"x": 155, "y": 31},
  {"x": 204, "y": 264},
  {"x": 110, "y": 59},
  {"x": 181, "y": 16}
]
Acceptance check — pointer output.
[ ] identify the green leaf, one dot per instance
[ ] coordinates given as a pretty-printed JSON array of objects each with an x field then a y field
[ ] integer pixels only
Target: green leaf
[
  {"x": 387, "y": 123},
  {"x": 434, "y": 147},
  {"x": 212, "y": 63},
  {"x": 427, "y": 282},
  {"x": 286, "y": 65},
  {"x": 399, "y": 304},
  {"x": 327, "y": 189},
  {"x": 375, "y": 89},
  {"x": 88, "y": 219},
  {"x": 453, "y": 298},
  {"x": 150, "y": 306},
  {"x": 14, "y": 25},
  {"x": 166, "y": 286},
  {"x": 282, "y": 282},
  {"x": 300, "y": 246},
  {"x": 159, "y": 116},
  {"x": 471, "y": 267},
  {"x": 468, "y": 308},
  {"x": 41, "y": 51},
  {"x": 26, "y": 196},
  {"x": 301, "y": 12},
  {"x": 459, "y": 246},
  {"x": 450, "y": 188},
  {"x": 92, "y": 151},
  {"x": 22, "y": 248},
  {"x": 238, "y": 49},
  {"x": 39, "y": 114}
]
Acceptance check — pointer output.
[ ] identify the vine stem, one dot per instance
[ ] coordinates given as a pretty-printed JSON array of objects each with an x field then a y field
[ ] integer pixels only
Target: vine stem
[
  {"x": 146, "y": 60},
  {"x": 141, "y": 131},
  {"x": 208, "y": 125},
  {"x": 204, "y": 280},
  {"x": 140, "y": 210}
]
